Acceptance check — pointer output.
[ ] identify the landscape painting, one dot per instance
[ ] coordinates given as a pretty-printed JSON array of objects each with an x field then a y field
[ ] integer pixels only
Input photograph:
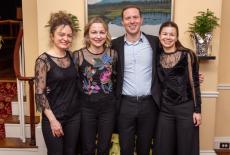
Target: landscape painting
[{"x": 154, "y": 12}]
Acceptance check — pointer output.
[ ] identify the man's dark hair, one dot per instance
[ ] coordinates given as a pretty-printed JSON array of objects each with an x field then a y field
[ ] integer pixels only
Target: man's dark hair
[{"x": 128, "y": 7}]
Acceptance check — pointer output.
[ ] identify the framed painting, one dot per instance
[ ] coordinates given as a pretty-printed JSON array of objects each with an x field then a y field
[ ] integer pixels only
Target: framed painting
[{"x": 154, "y": 12}]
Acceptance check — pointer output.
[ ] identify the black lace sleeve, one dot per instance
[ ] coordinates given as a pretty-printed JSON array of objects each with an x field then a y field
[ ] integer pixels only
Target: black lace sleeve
[
  {"x": 195, "y": 71},
  {"x": 77, "y": 57},
  {"x": 114, "y": 68},
  {"x": 41, "y": 69}
]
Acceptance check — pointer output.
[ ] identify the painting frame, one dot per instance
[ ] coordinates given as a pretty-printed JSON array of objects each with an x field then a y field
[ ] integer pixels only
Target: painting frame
[{"x": 149, "y": 28}]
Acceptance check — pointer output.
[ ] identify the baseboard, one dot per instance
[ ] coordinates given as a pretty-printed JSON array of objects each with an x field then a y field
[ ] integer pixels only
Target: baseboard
[{"x": 207, "y": 152}]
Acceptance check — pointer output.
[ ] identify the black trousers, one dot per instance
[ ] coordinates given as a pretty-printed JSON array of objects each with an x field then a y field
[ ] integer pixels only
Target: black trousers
[
  {"x": 176, "y": 133},
  {"x": 136, "y": 123},
  {"x": 67, "y": 144},
  {"x": 98, "y": 119}
]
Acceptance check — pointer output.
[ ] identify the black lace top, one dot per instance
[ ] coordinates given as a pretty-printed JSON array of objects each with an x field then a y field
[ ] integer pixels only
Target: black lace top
[
  {"x": 174, "y": 73},
  {"x": 56, "y": 85},
  {"x": 97, "y": 71}
]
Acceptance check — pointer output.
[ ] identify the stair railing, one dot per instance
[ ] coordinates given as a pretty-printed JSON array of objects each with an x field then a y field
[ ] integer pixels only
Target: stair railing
[{"x": 18, "y": 69}]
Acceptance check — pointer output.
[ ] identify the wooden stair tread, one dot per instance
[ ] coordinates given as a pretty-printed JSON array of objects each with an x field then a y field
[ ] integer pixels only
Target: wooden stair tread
[
  {"x": 14, "y": 119},
  {"x": 15, "y": 99},
  {"x": 15, "y": 143}
]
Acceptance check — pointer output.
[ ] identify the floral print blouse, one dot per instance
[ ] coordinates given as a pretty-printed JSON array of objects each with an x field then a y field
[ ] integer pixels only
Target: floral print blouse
[{"x": 97, "y": 71}]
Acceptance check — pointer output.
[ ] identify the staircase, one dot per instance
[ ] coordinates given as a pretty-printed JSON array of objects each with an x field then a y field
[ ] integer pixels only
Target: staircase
[
  {"x": 23, "y": 129},
  {"x": 12, "y": 144}
]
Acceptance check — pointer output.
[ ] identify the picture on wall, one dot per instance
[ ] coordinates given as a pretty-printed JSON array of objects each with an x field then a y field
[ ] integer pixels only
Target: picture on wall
[{"x": 154, "y": 12}]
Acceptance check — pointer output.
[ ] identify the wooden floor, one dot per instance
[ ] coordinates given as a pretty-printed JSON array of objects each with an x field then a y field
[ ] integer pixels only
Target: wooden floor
[{"x": 15, "y": 143}]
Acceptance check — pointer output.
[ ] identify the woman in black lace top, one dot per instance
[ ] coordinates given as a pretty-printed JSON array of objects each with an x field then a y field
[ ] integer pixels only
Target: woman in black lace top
[
  {"x": 96, "y": 65},
  {"x": 57, "y": 90},
  {"x": 180, "y": 112}
]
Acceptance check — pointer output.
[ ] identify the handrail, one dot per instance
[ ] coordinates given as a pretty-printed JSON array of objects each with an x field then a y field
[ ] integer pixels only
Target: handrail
[{"x": 31, "y": 84}]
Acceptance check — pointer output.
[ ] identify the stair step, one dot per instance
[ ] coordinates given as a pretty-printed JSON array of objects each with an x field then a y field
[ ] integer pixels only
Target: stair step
[
  {"x": 15, "y": 143},
  {"x": 15, "y": 99},
  {"x": 15, "y": 106},
  {"x": 14, "y": 119},
  {"x": 12, "y": 127},
  {"x": 14, "y": 146}
]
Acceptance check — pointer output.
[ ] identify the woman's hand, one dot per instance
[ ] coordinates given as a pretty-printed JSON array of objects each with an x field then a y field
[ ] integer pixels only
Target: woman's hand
[
  {"x": 56, "y": 128},
  {"x": 55, "y": 125},
  {"x": 196, "y": 119}
]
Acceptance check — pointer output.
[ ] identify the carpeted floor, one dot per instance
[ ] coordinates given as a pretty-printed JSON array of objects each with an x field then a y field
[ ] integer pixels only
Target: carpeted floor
[{"x": 8, "y": 90}]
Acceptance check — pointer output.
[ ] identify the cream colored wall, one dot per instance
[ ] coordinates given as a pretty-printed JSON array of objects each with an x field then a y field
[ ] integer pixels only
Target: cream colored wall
[
  {"x": 224, "y": 73},
  {"x": 29, "y": 8},
  {"x": 223, "y": 106},
  {"x": 37, "y": 39},
  {"x": 223, "y": 114},
  {"x": 45, "y": 7}
]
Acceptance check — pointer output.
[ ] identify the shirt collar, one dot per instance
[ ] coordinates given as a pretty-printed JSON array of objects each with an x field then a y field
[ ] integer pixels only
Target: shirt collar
[{"x": 130, "y": 43}]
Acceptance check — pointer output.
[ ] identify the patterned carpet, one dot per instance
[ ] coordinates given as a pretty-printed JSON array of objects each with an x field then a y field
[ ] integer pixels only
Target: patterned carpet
[{"x": 8, "y": 90}]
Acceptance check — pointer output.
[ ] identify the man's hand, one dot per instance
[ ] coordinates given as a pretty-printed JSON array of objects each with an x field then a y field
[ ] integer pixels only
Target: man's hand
[{"x": 201, "y": 77}]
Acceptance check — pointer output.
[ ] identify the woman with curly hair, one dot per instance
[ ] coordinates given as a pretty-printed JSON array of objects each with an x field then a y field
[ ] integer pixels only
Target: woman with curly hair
[{"x": 56, "y": 88}]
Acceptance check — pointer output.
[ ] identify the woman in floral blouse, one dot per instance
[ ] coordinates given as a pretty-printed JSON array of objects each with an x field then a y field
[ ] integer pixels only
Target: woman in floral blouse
[{"x": 96, "y": 66}]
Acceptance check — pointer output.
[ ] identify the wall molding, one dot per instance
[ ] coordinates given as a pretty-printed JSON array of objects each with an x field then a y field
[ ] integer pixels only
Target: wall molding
[
  {"x": 209, "y": 94},
  {"x": 223, "y": 86}
]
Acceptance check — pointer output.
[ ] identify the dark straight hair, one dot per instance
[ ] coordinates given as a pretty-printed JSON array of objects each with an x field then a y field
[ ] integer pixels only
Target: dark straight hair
[{"x": 174, "y": 25}]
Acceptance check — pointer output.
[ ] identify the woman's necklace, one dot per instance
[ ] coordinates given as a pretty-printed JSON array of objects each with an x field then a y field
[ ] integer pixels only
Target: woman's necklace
[{"x": 95, "y": 52}]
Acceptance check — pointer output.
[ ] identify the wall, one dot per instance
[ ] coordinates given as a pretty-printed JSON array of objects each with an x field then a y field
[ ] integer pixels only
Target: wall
[
  {"x": 223, "y": 106},
  {"x": 44, "y": 8},
  {"x": 29, "y": 8}
]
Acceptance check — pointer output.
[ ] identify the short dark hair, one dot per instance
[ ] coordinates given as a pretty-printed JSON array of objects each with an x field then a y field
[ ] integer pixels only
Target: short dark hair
[{"x": 128, "y": 7}]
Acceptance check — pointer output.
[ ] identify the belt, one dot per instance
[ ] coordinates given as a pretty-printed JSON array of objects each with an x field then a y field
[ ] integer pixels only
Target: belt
[{"x": 137, "y": 98}]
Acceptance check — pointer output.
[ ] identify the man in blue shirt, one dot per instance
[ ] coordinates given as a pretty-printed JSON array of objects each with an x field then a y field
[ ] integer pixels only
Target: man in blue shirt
[{"x": 138, "y": 86}]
